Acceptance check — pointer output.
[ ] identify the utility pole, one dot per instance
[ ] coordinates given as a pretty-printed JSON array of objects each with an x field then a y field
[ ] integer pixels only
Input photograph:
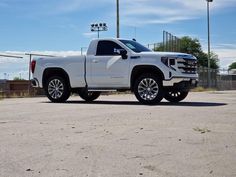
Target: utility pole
[
  {"x": 29, "y": 84},
  {"x": 209, "y": 44},
  {"x": 117, "y": 19}
]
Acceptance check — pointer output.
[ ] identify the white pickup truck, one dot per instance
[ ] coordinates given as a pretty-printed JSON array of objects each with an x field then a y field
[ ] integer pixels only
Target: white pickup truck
[{"x": 117, "y": 65}]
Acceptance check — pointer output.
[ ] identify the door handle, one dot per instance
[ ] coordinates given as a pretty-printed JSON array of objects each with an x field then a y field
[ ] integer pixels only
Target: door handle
[{"x": 95, "y": 61}]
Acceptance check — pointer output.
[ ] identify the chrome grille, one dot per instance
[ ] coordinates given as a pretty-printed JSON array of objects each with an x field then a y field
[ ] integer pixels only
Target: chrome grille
[{"x": 187, "y": 66}]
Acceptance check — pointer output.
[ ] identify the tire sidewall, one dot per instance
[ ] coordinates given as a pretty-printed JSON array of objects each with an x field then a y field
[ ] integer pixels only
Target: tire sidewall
[
  {"x": 66, "y": 92},
  {"x": 84, "y": 95},
  {"x": 181, "y": 97},
  {"x": 160, "y": 94}
]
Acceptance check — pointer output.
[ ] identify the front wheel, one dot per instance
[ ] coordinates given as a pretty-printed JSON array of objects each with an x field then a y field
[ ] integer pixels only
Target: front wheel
[
  {"x": 89, "y": 96},
  {"x": 148, "y": 89},
  {"x": 57, "y": 90},
  {"x": 175, "y": 96}
]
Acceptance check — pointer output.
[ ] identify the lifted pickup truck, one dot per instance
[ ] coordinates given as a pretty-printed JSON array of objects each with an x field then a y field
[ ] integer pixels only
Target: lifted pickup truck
[{"x": 117, "y": 65}]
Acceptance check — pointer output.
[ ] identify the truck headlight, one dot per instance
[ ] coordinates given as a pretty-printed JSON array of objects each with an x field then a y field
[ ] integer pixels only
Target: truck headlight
[{"x": 168, "y": 61}]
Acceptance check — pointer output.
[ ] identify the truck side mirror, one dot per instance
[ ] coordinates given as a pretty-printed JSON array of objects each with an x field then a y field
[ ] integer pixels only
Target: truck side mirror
[{"x": 123, "y": 54}]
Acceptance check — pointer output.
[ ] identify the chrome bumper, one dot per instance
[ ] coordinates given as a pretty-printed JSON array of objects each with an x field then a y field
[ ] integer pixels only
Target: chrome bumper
[{"x": 173, "y": 81}]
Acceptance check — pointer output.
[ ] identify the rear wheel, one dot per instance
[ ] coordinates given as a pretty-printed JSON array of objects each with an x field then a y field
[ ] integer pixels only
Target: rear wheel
[
  {"x": 148, "y": 89},
  {"x": 175, "y": 96},
  {"x": 57, "y": 90},
  {"x": 89, "y": 96}
]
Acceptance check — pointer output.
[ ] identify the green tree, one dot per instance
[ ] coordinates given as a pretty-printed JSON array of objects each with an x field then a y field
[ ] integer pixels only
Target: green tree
[
  {"x": 232, "y": 66},
  {"x": 160, "y": 47},
  {"x": 214, "y": 61},
  {"x": 194, "y": 47},
  {"x": 17, "y": 79},
  {"x": 191, "y": 46}
]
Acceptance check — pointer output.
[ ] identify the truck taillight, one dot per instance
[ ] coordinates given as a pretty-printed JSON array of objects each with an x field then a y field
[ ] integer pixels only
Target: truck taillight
[{"x": 33, "y": 64}]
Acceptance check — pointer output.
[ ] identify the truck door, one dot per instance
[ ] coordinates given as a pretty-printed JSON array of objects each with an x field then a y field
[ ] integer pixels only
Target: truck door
[{"x": 107, "y": 69}]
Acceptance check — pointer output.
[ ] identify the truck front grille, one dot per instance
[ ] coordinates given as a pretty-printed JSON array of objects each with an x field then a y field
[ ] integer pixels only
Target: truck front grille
[{"x": 187, "y": 66}]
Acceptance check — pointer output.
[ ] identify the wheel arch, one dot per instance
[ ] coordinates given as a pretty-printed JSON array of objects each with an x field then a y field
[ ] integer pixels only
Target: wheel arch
[
  {"x": 50, "y": 72},
  {"x": 142, "y": 69}
]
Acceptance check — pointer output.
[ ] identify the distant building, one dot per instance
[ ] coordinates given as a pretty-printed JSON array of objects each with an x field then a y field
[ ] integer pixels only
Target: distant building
[
  {"x": 3, "y": 84},
  {"x": 232, "y": 72},
  {"x": 3, "y": 81}
]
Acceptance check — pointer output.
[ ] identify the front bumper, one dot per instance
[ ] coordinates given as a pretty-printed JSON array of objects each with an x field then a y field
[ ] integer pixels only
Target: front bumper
[
  {"x": 175, "y": 80},
  {"x": 181, "y": 84}
]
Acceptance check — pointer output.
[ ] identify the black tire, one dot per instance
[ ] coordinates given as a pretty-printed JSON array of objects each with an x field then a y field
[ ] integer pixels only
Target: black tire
[
  {"x": 57, "y": 90},
  {"x": 89, "y": 96},
  {"x": 176, "y": 96},
  {"x": 148, "y": 89}
]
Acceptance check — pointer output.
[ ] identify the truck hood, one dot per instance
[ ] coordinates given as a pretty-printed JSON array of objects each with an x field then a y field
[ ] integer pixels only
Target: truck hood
[{"x": 167, "y": 54}]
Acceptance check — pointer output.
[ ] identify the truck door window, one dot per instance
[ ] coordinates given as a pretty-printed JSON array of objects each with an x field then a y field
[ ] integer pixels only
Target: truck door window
[
  {"x": 107, "y": 48},
  {"x": 135, "y": 46}
]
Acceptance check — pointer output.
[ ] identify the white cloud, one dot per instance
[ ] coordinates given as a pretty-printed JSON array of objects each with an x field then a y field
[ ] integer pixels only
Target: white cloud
[
  {"x": 226, "y": 56},
  {"x": 90, "y": 34},
  {"x": 138, "y": 12},
  {"x": 225, "y": 46},
  {"x": 226, "y": 53},
  {"x": 68, "y": 6}
]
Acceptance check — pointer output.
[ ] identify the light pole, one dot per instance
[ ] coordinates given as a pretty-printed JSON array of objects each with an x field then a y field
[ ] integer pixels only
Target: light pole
[
  {"x": 97, "y": 27},
  {"x": 117, "y": 19},
  {"x": 209, "y": 44}
]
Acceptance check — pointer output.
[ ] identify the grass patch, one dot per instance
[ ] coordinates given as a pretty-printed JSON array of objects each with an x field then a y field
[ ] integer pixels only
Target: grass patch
[
  {"x": 202, "y": 89},
  {"x": 23, "y": 94},
  {"x": 1, "y": 95},
  {"x": 19, "y": 95}
]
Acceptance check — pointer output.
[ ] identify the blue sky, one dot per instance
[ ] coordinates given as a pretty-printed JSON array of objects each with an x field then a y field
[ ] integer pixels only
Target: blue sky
[{"x": 63, "y": 26}]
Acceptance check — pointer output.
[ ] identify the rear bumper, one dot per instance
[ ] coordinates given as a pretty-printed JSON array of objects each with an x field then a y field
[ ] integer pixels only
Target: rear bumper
[{"x": 35, "y": 83}]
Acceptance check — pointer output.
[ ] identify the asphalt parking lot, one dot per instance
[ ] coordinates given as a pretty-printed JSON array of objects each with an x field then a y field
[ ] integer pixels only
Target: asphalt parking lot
[{"x": 117, "y": 137}]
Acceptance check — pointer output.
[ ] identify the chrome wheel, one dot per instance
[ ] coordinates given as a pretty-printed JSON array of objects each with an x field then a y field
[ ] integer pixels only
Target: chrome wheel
[
  {"x": 148, "y": 89},
  {"x": 55, "y": 89}
]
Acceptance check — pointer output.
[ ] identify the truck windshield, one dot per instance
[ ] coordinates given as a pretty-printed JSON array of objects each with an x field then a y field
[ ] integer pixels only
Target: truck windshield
[{"x": 135, "y": 46}]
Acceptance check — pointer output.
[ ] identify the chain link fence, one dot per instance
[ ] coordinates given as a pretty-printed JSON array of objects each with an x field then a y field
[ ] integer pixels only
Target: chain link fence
[
  {"x": 154, "y": 46},
  {"x": 203, "y": 77},
  {"x": 218, "y": 81},
  {"x": 170, "y": 43}
]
